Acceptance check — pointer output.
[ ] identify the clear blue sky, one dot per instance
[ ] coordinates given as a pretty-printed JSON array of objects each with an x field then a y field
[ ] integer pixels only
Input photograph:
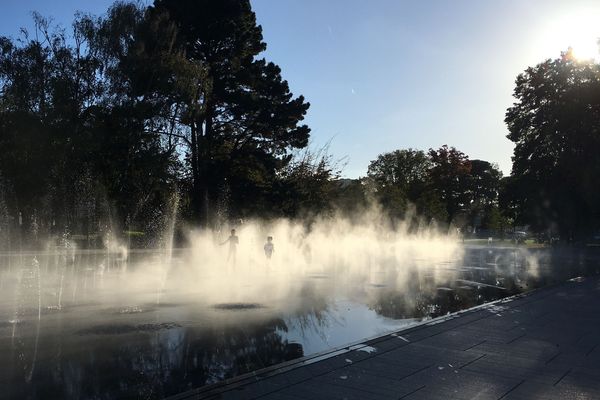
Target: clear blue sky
[{"x": 387, "y": 74}]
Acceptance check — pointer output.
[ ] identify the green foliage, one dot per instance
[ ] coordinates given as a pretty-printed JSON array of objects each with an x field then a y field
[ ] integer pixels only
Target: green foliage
[
  {"x": 75, "y": 129},
  {"x": 405, "y": 169},
  {"x": 349, "y": 197},
  {"x": 105, "y": 124},
  {"x": 509, "y": 201},
  {"x": 399, "y": 178},
  {"x": 450, "y": 178},
  {"x": 493, "y": 219},
  {"x": 484, "y": 182},
  {"x": 431, "y": 207},
  {"x": 243, "y": 122},
  {"x": 306, "y": 186},
  {"x": 555, "y": 125},
  {"x": 443, "y": 185}
]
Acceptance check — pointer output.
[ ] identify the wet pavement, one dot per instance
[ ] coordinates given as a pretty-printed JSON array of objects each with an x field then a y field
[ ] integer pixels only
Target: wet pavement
[{"x": 539, "y": 345}]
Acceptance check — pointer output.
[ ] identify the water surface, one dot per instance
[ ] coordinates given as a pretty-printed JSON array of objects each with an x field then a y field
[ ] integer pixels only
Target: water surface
[{"x": 95, "y": 325}]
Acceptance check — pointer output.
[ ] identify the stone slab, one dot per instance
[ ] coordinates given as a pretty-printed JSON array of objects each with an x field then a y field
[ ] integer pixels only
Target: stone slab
[{"x": 544, "y": 345}]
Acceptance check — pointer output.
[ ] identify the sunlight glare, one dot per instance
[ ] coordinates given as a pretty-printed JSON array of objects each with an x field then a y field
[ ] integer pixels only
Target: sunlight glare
[{"x": 578, "y": 30}]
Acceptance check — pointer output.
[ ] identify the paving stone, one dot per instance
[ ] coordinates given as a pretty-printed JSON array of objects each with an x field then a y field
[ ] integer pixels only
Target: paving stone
[
  {"x": 518, "y": 368},
  {"x": 536, "y": 350},
  {"x": 319, "y": 390},
  {"x": 593, "y": 373},
  {"x": 322, "y": 367},
  {"x": 454, "y": 339},
  {"x": 279, "y": 396},
  {"x": 292, "y": 377},
  {"x": 580, "y": 380},
  {"x": 252, "y": 391},
  {"x": 534, "y": 390},
  {"x": 383, "y": 368},
  {"x": 389, "y": 343},
  {"x": 460, "y": 384},
  {"x": 354, "y": 378},
  {"x": 545, "y": 345},
  {"x": 490, "y": 335},
  {"x": 418, "y": 355}
]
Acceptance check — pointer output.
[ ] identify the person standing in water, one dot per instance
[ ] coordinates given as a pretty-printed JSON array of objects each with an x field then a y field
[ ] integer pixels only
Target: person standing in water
[
  {"x": 233, "y": 243},
  {"x": 269, "y": 247}
]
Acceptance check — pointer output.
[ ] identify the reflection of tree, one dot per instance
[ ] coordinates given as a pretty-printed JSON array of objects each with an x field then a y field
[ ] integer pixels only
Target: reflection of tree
[
  {"x": 158, "y": 364},
  {"x": 312, "y": 314},
  {"x": 485, "y": 275},
  {"x": 142, "y": 364}
]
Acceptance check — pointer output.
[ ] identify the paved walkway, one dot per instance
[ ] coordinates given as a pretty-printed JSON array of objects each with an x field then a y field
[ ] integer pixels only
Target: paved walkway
[{"x": 544, "y": 345}]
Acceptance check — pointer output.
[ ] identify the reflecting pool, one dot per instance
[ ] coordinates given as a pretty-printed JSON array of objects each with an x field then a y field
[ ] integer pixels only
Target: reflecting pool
[{"x": 104, "y": 325}]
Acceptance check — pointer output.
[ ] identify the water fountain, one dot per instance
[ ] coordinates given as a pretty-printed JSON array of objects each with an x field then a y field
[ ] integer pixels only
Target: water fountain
[
  {"x": 181, "y": 318},
  {"x": 167, "y": 244}
]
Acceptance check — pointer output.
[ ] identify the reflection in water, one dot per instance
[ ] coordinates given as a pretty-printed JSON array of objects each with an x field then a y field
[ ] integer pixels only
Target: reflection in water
[{"x": 81, "y": 327}]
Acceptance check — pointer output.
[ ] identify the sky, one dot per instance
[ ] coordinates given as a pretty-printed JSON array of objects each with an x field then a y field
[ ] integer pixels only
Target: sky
[{"x": 383, "y": 75}]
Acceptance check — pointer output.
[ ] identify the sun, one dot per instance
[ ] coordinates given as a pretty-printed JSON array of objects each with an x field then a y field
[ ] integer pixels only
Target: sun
[
  {"x": 585, "y": 53},
  {"x": 578, "y": 30},
  {"x": 585, "y": 45}
]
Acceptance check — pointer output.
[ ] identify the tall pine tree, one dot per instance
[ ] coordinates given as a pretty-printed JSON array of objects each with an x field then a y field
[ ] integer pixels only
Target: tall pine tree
[{"x": 242, "y": 121}]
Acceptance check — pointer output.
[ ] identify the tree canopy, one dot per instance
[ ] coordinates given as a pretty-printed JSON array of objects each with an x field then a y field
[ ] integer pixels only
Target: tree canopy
[
  {"x": 242, "y": 121},
  {"x": 555, "y": 125},
  {"x": 107, "y": 121},
  {"x": 441, "y": 184}
]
